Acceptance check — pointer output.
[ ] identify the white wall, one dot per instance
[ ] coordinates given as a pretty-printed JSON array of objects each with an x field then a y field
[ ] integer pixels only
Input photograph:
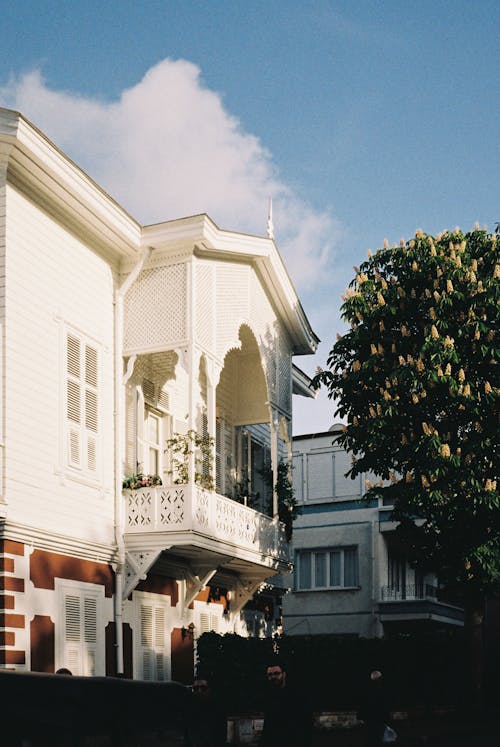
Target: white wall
[{"x": 53, "y": 279}]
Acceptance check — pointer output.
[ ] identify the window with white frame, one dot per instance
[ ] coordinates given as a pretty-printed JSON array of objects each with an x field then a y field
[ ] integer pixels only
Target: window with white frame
[
  {"x": 332, "y": 568},
  {"x": 153, "y": 442},
  {"x": 82, "y": 405},
  {"x": 80, "y": 642},
  {"x": 152, "y": 639}
]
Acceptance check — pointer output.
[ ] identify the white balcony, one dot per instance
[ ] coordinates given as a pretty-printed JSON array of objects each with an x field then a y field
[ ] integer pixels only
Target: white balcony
[{"x": 187, "y": 515}]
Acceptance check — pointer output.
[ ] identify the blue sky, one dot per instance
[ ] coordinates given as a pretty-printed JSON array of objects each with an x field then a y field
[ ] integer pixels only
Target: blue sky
[{"x": 363, "y": 120}]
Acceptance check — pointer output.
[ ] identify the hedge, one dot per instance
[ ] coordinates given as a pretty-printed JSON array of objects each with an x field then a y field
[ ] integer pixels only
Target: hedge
[{"x": 420, "y": 672}]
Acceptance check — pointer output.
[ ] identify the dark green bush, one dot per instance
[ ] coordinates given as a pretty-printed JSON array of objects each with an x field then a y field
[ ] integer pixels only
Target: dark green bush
[{"x": 420, "y": 672}]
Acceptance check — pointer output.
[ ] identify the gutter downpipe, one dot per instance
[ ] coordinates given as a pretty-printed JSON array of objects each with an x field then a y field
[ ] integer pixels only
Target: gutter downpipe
[{"x": 119, "y": 453}]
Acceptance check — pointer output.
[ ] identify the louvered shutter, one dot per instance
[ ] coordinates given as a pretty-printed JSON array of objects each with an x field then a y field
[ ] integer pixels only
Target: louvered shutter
[
  {"x": 153, "y": 642},
  {"x": 90, "y": 634},
  {"x": 219, "y": 476},
  {"x": 80, "y": 633},
  {"x": 82, "y": 404},
  {"x": 140, "y": 415},
  {"x": 160, "y": 643},
  {"x": 146, "y": 622},
  {"x": 91, "y": 407},
  {"x": 207, "y": 622},
  {"x": 73, "y": 400},
  {"x": 72, "y": 633},
  {"x": 204, "y": 623}
]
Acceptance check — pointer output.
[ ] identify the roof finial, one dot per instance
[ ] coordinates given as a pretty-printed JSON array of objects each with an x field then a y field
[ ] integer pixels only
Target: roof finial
[{"x": 270, "y": 224}]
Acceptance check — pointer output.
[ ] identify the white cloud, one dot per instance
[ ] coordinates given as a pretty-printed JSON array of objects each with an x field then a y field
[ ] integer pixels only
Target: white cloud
[{"x": 168, "y": 148}]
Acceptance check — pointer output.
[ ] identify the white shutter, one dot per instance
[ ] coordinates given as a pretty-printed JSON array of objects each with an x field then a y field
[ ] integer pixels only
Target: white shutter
[
  {"x": 90, "y": 633},
  {"x": 204, "y": 623},
  {"x": 146, "y": 622},
  {"x": 82, "y": 404},
  {"x": 160, "y": 642},
  {"x": 72, "y": 633},
  {"x": 152, "y": 654},
  {"x": 139, "y": 436},
  {"x": 73, "y": 399},
  {"x": 81, "y": 641}
]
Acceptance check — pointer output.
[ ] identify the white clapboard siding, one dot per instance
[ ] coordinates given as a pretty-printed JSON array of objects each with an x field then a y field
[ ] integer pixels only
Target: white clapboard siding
[{"x": 54, "y": 283}]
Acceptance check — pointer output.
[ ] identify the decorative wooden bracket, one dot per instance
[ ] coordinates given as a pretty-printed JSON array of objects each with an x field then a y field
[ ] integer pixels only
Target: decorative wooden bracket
[
  {"x": 194, "y": 582},
  {"x": 244, "y": 590},
  {"x": 137, "y": 565}
]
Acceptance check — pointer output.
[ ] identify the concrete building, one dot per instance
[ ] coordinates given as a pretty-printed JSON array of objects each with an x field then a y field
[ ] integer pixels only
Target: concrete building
[
  {"x": 351, "y": 577},
  {"x": 146, "y": 372}
]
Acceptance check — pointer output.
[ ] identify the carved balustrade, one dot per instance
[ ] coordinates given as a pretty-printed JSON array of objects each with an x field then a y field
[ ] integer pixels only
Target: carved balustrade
[{"x": 190, "y": 508}]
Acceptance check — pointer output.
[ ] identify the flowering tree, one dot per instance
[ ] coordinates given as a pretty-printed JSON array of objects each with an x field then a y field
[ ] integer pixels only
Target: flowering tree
[{"x": 416, "y": 378}]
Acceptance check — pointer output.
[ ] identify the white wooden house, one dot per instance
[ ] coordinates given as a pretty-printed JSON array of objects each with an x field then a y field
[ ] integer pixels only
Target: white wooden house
[{"x": 115, "y": 339}]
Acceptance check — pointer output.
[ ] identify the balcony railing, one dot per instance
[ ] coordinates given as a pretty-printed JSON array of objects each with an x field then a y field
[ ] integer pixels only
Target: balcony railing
[
  {"x": 408, "y": 592},
  {"x": 190, "y": 508}
]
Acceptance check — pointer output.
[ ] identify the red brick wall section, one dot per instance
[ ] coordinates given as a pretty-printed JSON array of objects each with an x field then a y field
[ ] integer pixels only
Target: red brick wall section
[
  {"x": 46, "y": 566},
  {"x": 12, "y": 657},
  {"x": 160, "y": 585},
  {"x": 7, "y": 602},
  {"x": 11, "y": 548},
  {"x": 10, "y": 621},
  {"x": 10, "y": 583},
  {"x": 42, "y": 632}
]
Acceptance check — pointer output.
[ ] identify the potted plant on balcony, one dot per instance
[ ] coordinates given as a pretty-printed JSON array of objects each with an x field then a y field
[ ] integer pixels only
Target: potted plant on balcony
[
  {"x": 139, "y": 480},
  {"x": 180, "y": 447},
  {"x": 288, "y": 507}
]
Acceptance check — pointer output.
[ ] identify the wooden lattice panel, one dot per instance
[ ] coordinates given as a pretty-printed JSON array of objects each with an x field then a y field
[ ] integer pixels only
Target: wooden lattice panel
[
  {"x": 204, "y": 310},
  {"x": 155, "y": 308}
]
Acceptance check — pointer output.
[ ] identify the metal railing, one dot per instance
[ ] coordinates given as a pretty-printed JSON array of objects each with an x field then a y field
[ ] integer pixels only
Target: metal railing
[{"x": 408, "y": 592}]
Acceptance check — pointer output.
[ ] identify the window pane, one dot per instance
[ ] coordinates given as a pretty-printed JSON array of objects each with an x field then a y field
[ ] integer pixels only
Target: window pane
[
  {"x": 304, "y": 570},
  {"x": 320, "y": 569},
  {"x": 153, "y": 429},
  {"x": 335, "y": 569},
  {"x": 153, "y": 461},
  {"x": 351, "y": 567}
]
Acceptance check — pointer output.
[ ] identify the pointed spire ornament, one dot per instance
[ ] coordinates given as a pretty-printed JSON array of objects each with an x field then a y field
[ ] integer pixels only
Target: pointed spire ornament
[{"x": 270, "y": 224}]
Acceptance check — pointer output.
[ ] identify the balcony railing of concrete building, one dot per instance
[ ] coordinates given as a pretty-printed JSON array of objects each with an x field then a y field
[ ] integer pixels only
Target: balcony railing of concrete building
[
  {"x": 408, "y": 592},
  {"x": 413, "y": 602}
]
